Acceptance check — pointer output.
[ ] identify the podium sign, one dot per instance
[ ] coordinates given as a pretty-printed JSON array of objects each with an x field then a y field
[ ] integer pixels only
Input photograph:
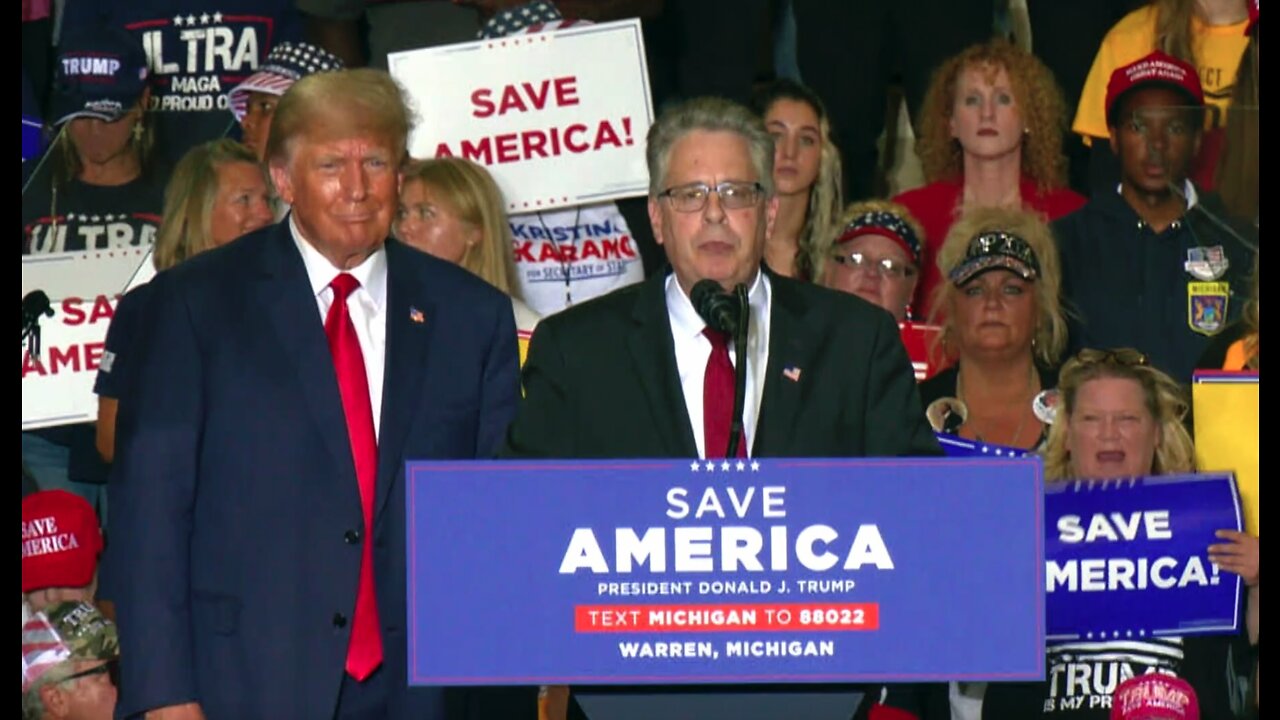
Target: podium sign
[{"x": 771, "y": 570}]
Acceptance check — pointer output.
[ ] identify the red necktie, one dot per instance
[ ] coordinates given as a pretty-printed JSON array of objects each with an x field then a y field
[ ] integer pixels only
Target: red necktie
[
  {"x": 364, "y": 653},
  {"x": 717, "y": 398}
]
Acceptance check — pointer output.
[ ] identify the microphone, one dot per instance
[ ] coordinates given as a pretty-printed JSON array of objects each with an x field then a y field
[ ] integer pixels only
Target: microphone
[
  {"x": 718, "y": 309},
  {"x": 728, "y": 313}
]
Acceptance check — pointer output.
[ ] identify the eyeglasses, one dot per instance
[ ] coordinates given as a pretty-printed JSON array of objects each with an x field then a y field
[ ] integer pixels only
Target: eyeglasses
[
  {"x": 1118, "y": 356},
  {"x": 887, "y": 268},
  {"x": 733, "y": 195},
  {"x": 110, "y": 668}
]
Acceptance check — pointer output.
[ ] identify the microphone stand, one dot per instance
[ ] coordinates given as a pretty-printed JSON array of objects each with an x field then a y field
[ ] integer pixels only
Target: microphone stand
[{"x": 739, "y": 370}]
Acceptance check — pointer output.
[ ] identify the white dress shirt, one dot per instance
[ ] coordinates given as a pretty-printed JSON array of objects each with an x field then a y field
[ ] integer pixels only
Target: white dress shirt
[
  {"x": 693, "y": 349},
  {"x": 367, "y": 306}
]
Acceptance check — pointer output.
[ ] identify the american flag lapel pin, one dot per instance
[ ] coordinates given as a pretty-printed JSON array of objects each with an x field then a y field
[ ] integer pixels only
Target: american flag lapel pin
[
  {"x": 416, "y": 316},
  {"x": 792, "y": 373}
]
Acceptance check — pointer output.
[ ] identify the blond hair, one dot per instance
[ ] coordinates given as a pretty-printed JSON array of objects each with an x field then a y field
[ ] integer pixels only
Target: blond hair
[
  {"x": 1162, "y": 397},
  {"x": 344, "y": 103},
  {"x": 1050, "y": 337},
  {"x": 827, "y": 194},
  {"x": 470, "y": 191},
  {"x": 186, "y": 227},
  {"x": 1038, "y": 100}
]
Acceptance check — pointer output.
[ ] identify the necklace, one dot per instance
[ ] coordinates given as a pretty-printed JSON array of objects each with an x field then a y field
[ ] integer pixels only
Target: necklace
[{"x": 1032, "y": 387}]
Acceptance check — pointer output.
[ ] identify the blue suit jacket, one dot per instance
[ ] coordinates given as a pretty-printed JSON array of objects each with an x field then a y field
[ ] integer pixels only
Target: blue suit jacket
[{"x": 234, "y": 493}]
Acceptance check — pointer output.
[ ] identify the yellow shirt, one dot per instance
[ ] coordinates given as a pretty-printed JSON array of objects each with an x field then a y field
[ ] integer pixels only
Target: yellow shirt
[{"x": 1217, "y": 48}]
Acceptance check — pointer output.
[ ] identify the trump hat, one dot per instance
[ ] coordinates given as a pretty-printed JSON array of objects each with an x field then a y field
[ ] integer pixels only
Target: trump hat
[
  {"x": 1154, "y": 70},
  {"x": 66, "y": 633},
  {"x": 99, "y": 74},
  {"x": 1154, "y": 696},
  {"x": 61, "y": 541}
]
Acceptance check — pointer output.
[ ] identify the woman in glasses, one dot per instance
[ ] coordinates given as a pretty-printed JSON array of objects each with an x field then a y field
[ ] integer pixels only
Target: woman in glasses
[
  {"x": 990, "y": 137},
  {"x": 806, "y": 173},
  {"x": 1118, "y": 417},
  {"x": 876, "y": 256},
  {"x": 1002, "y": 323}
]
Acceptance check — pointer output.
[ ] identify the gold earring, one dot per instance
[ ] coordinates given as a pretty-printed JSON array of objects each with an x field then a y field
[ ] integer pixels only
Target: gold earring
[{"x": 137, "y": 131}]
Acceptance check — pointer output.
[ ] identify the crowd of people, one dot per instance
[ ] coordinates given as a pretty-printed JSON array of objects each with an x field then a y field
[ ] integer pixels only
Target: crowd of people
[{"x": 227, "y": 540}]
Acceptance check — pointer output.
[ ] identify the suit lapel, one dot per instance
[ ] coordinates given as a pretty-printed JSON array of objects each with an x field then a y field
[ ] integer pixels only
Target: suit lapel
[
  {"x": 284, "y": 291},
  {"x": 793, "y": 346},
  {"x": 410, "y": 314},
  {"x": 654, "y": 356}
]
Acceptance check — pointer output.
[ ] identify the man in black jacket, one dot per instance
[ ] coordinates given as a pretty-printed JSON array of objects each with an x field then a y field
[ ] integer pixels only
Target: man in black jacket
[
  {"x": 639, "y": 373},
  {"x": 630, "y": 374},
  {"x": 1155, "y": 265}
]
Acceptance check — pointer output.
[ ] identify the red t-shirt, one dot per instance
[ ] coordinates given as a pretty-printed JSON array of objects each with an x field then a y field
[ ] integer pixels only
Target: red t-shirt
[{"x": 937, "y": 205}]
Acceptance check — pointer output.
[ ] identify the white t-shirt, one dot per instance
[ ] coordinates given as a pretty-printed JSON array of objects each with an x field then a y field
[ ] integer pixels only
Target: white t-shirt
[{"x": 571, "y": 255}]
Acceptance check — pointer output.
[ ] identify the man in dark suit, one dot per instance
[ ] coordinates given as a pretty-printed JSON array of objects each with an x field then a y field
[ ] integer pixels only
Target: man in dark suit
[
  {"x": 626, "y": 375},
  {"x": 284, "y": 380},
  {"x": 636, "y": 373}
]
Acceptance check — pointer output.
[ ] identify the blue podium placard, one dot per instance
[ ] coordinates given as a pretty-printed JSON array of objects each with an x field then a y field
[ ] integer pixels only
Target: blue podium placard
[
  {"x": 776, "y": 570},
  {"x": 1129, "y": 558}
]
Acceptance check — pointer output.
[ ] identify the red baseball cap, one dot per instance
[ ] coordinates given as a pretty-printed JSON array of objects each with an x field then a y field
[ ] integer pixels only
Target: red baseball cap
[
  {"x": 1156, "y": 69},
  {"x": 1253, "y": 16},
  {"x": 61, "y": 540},
  {"x": 1155, "y": 696}
]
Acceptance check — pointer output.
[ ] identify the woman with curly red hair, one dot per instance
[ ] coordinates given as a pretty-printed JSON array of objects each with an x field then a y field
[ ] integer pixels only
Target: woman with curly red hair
[{"x": 990, "y": 136}]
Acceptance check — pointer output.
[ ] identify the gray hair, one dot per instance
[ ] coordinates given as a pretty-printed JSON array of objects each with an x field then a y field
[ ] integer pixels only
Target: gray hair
[
  {"x": 33, "y": 703},
  {"x": 710, "y": 114}
]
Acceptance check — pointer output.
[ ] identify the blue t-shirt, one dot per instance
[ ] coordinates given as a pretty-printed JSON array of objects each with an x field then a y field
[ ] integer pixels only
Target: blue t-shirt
[{"x": 122, "y": 340}]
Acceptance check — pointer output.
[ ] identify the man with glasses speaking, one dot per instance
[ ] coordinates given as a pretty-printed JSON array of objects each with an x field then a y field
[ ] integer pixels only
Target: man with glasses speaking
[{"x": 640, "y": 373}]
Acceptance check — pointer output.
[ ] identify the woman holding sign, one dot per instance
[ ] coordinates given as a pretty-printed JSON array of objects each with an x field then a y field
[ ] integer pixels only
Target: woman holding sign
[
  {"x": 806, "y": 172},
  {"x": 97, "y": 189},
  {"x": 1119, "y": 418},
  {"x": 1003, "y": 323}
]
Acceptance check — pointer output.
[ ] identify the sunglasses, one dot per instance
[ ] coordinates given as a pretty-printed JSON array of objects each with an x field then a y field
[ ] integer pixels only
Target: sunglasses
[
  {"x": 1119, "y": 356},
  {"x": 110, "y": 668}
]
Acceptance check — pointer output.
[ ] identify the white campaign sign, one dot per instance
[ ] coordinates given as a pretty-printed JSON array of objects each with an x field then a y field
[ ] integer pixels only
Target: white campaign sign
[
  {"x": 559, "y": 118},
  {"x": 83, "y": 289}
]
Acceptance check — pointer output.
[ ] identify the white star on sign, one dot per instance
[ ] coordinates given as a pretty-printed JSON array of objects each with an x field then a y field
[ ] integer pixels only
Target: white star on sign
[
  {"x": 97, "y": 218},
  {"x": 191, "y": 20},
  {"x": 741, "y": 466},
  {"x": 711, "y": 467},
  {"x": 177, "y": 21},
  {"x": 755, "y": 466},
  {"x": 725, "y": 466},
  {"x": 204, "y": 18},
  {"x": 217, "y": 17},
  {"x": 694, "y": 466}
]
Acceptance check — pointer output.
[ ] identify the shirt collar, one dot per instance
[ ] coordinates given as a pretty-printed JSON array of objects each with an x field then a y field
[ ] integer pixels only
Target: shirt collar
[
  {"x": 371, "y": 274},
  {"x": 1188, "y": 192},
  {"x": 685, "y": 320}
]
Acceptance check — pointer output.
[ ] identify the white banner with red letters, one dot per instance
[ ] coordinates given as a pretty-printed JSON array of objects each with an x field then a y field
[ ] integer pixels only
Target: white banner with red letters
[
  {"x": 559, "y": 118},
  {"x": 83, "y": 289}
]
